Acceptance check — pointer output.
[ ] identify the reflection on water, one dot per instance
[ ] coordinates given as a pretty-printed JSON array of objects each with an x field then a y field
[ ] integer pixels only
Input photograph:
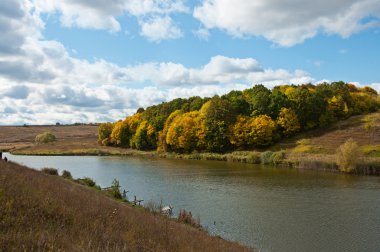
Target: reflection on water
[{"x": 267, "y": 208}]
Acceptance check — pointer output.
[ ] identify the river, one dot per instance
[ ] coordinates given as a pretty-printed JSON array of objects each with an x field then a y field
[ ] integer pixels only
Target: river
[{"x": 269, "y": 209}]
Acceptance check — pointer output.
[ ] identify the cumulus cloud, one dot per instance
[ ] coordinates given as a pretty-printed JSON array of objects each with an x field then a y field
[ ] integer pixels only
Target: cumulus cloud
[
  {"x": 41, "y": 83},
  {"x": 288, "y": 22},
  {"x": 153, "y": 15},
  {"x": 160, "y": 28}
]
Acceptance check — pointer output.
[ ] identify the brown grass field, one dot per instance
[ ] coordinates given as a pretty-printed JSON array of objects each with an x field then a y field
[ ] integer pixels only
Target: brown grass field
[{"x": 41, "y": 212}]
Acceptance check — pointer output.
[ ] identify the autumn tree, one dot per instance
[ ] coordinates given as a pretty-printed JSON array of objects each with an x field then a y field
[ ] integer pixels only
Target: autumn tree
[
  {"x": 121, "y": 135},
  {"x": 261, "y": 130},
  {"x": 338, "y": 107},
  {"x": 252, "y": 131},
  {"x": 185, "y": 132},
  {"x": 288, "y": 122},
  {"x": 104, "y": 133},
  {"x": 239, "y": 132},
  {"x": 162, "y": 143}
]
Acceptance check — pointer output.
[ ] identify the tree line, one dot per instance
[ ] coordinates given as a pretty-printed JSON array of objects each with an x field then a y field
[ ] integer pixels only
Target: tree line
[{"x": 239, "y": 120}]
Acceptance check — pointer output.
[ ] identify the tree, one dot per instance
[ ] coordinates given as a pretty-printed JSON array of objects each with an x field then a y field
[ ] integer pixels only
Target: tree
[
  {"x": 162, "y": 143},
  {"x": 237, "y": 102},
  {"x": 260, "y": 130},
  {"x": 338, "y": 107},
  {"x": 347, "y": 156},
  {"x": 259, "y": 99},
  {"x": 216, "y": 116},
  {"x": 121, "y": 135},
  {"x": 239, "y": 132},
  {"x": 256, "y": 131},
  {"x": 288, "y": 122},
  {"x": 184, "y": 132},
  {"x": 144, "y": 139},
  {"x": 278, "y": 100},
  {"x": 115, "y": 189},
  {"x": 104, "y": 133}
]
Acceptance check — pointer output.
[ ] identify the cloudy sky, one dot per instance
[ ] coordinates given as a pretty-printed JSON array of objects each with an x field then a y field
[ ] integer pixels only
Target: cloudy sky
[{"x": 99, "y": 60}]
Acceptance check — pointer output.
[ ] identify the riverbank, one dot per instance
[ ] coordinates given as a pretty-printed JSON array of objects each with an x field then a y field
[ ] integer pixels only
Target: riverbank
[
  {"x": 45, "y": 212},
  {"x": 310, "y": 150}
]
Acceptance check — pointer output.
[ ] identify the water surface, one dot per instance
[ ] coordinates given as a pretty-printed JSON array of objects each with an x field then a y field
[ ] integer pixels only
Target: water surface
[{"x": 269, "y": 209}]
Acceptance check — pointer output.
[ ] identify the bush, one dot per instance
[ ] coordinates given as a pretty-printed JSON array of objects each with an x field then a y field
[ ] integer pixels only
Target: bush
[
  {"x": 253, "y": 158},
  {"x": 66, "y": 174},
  {"x": 304, "y": 141},
  {"x": 278, "y": 156},
  {"x": 45, "y": 137},
  {"x": 88, "y": 182},
  {"x": 267, "y": 157},
  {"x": 50, "y": 171},
  {"x": 347, "y": 156},
  {"x": 115, "y": 189},
  {"x": 187, "y": 218}
]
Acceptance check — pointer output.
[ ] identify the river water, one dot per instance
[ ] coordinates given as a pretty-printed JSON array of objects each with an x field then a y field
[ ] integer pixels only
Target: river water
[{"x": 269, "y": 209}]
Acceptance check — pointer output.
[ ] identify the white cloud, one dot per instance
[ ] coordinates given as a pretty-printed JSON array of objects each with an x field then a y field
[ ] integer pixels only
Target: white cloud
[
  {"x": 202, "y": 34},
  {"x": 160, "y": 28},
  {"x": 288, "y": 22},
  {"x": 145, "y": 7},
  {"x": 40, "y": 82},
  {"x": 153, "y": 15}
]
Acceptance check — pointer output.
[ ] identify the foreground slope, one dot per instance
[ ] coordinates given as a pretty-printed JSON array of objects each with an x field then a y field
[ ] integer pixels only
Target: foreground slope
[{"x": 44, "y": 212}]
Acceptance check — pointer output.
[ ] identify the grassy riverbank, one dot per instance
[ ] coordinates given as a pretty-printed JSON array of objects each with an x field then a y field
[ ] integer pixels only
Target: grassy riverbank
[
  {"x": 44, "y": 212},
  {"x": 314, "y": 149}
]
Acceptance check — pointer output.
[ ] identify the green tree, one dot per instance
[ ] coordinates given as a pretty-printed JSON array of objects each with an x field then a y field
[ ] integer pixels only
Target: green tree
[
  {"x": 115, "y": 189},
  {"x": 144, "y": 139},
  {"x": 259, "y": 99},
  {"x": 217, "y": 116}
]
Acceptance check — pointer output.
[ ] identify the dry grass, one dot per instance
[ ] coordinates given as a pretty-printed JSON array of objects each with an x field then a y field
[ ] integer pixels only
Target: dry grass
[{"x": 40, "y": 212}]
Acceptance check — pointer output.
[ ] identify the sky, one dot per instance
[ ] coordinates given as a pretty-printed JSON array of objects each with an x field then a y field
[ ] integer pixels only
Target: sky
[{"x": 88, "y": 61}]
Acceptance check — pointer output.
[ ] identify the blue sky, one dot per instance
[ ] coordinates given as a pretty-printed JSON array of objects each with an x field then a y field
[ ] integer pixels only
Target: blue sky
[{"x": 90, "y": 61}]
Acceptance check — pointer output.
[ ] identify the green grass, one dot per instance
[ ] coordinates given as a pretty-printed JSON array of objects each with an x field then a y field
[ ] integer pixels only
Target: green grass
[{"x": 371, "y": 150}]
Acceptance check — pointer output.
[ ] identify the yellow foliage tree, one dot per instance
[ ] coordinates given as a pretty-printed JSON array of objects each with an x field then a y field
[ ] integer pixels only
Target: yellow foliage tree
[
  {"x": 337, "y": 106},
  {"x": 123, "y": 131},
  {"x": 120, "y": 134},
  {"x": 288, "y": 121},
  {"x": 261, "y": 130},
  {"x": 257, "y": 131},
  {"x": 185, "y": 132},
  {"x": 239, "y": 132},
  {"x": 162, "y": 144}
]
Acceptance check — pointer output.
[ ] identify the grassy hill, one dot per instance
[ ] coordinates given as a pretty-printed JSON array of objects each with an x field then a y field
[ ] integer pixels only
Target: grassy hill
[{"x": 40, "y": 212}]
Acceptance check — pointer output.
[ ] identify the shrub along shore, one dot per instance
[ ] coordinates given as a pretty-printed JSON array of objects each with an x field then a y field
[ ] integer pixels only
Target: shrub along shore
[{"x": 323, "y": 162}]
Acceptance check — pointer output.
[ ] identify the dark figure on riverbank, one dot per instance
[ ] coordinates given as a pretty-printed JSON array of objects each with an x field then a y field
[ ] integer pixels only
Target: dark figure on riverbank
[{"x": 5, "y": 159}]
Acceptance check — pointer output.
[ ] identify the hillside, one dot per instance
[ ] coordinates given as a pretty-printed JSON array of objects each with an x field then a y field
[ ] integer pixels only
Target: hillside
[{"x": 40, "y": 212}]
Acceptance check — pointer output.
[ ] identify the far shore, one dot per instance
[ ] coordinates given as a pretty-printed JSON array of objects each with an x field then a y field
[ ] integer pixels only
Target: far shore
[{"x": 311, "y": 150}]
